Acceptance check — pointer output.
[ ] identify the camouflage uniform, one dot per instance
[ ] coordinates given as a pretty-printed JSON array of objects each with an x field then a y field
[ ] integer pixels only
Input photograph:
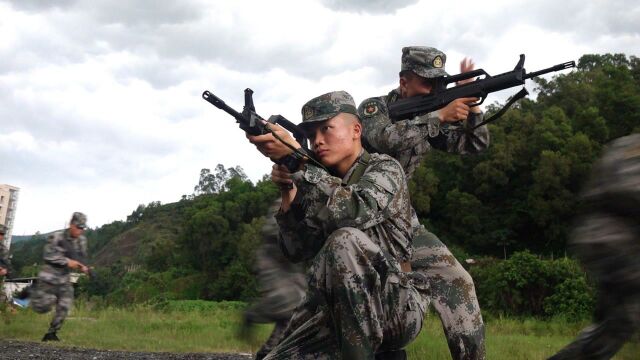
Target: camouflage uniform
[
  {"x": 607, "y": 242},
  {"x": 54, "y": 285},
  {"x": 281, "y": 284},
  {"x": 408, "y": 141},
  {"x": 354, "y": 233},
  {"x": 4, "y": 261},
  {"x": 4, "y": 253}
]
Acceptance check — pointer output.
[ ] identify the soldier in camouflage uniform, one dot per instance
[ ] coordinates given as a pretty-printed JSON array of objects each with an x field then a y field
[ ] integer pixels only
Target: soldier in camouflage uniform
[
  {"x": 409, "y": 141},
  {"x": 607, "y": 242},
  {"x": 281, "y": 285},
  {"x": 352, "y": 225},
  {"x": 4, "y": 262},
  {"x": 4, "y": 254},
  {"x": 54, "y": 285}
]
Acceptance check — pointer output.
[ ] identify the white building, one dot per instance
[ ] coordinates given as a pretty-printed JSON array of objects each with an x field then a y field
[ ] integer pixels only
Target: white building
[{"x": 8, "y": 204}]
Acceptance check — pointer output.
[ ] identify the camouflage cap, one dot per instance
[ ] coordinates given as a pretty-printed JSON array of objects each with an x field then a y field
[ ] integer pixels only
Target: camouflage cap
[
  {"x": 3, "y": 229},
  {"x": 79, "y": 219},
  {"x": 425, "y": 61},
  {"x": 326, "y": 106}
]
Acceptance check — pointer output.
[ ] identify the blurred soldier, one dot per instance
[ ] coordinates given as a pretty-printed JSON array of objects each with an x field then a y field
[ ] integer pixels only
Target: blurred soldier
[
  {"x": 62, "y": 253},
  {"x": 281, "y": 285},
  {"x": 607, "y": 242},
  {"x": 352, "y": 224},
  {"x": 4, "y": 262},
  {"x": 452, "y": 290},
  {"x": 4, "y": 254}
]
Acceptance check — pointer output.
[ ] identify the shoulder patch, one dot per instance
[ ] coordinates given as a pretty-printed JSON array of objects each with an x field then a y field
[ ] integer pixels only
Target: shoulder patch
[{"x": 372, "y": 107}]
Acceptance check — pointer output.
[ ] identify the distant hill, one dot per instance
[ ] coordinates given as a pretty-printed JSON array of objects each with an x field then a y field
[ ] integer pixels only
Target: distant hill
[{"x": 20, "y": 238}]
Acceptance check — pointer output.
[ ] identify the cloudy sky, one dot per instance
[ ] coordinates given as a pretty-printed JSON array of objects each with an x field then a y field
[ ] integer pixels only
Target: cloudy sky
[{"x": 100, "y": 106}]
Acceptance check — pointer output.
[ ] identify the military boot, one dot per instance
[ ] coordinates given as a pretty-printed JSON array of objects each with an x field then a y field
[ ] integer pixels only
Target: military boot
[
  {"x": 50, "y": 337},
  {"x": 392, "y": 355}
]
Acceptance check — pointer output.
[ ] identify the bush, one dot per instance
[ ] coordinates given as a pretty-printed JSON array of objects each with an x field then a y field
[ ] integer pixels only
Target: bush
[{"x": 525, "y": 285}]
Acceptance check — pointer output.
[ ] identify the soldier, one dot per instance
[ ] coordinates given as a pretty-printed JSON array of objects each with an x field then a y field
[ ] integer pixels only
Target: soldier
[
  {"x": 607, "y": 242},
  {"x": 352, "y": 225},
  {"x": 61, "y": 255},
  {"x": 4, "y": 263},
  {"x": 4, "y": 254},
  {"x": 409, "y": 141},
  {"x": 281, "y": 285}
]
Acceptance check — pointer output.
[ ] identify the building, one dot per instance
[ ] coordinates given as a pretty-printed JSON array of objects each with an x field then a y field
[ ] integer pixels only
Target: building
[{"x": 8, "y": 204}]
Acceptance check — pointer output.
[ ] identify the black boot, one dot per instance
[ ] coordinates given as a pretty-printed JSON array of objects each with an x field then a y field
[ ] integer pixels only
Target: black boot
[
  {"x": 392, "y": 355},
  {"x": 50, "y": 336}
]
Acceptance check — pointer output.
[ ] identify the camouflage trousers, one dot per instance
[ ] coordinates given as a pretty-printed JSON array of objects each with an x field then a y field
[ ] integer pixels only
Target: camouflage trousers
[
  {"x": 46, "y": 295},
  {"x": 356, "y": 304},
  {"x": 453, "y": 294},
  {"x": 608, "y": 246}
]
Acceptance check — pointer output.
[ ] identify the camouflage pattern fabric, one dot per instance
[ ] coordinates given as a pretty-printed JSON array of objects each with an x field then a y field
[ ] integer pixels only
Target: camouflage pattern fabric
[
  {"x": 425, "y": 61},
  {"x": 54, "y": 270},
  {"x": 606, "y": 240},
  {"x": 359, "y": 302},
  {"x": 46, "y": 295},
  {"x": 54, "y": 286},
  {"x": 452, "y": 290},
  {"x": 281, "y": 284}
]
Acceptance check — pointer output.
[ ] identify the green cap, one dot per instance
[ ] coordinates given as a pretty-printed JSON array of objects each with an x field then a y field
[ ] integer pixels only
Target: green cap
[
  {"x": 326, "y": 106},
  {"x": 425, "y": 61},
  {"x": 79, "y": 219}
]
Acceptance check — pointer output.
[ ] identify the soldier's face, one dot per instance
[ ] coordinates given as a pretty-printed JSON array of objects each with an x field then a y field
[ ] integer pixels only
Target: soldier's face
[
  {"x": 334, "y": 141},
  {"x": 412, "y": 86},
  {"x": 75, "y": 231}
]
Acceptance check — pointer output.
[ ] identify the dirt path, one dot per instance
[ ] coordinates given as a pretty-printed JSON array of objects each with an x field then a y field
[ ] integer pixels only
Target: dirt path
[{"x": 19, "y": 350}]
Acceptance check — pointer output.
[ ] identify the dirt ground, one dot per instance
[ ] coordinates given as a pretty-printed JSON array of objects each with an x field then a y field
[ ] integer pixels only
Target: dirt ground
[{"x": 19, "y": 350}]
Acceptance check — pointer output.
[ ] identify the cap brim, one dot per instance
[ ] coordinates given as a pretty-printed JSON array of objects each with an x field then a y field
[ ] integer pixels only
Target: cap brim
[
  {"x": 311, "y": 123},
  {"x": 432, "y": 73}
]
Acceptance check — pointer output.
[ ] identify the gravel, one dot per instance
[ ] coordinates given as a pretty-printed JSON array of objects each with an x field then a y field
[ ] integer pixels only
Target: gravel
[{"x": 18, "y": 350}]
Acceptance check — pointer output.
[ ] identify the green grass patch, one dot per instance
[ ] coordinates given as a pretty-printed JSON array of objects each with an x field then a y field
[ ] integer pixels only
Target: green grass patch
[{"x": 202, "y": 326}]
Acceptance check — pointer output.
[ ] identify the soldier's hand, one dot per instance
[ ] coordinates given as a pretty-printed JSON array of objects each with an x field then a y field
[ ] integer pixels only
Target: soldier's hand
[
  {"x": 281, "y": 176},
  {"x": 466, "y": 65},
  {"x": 73, "y": 264},
  {"x": 456, "y": 110},
  {"x": 3, "y": 271},
  {"x": 85, "y": 269},
  {"x": 271, "y": 147}
]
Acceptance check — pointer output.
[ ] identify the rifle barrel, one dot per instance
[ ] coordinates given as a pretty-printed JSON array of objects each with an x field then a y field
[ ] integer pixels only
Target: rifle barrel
[
  {"x": 220, "y": 104},
  {"x": 566, "y": 65}
]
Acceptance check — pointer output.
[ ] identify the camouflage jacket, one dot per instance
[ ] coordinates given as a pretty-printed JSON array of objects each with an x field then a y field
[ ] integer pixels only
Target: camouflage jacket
[
  {"x": 377, "y": 204},
  {"x": 4, "y": 257},
  {"x": 408, "y": 141},
  {"x": 55, "y": 257}
]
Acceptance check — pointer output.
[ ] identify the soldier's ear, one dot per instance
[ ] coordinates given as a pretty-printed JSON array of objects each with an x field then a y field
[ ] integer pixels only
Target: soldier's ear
[{"x": 357, "y": 129}]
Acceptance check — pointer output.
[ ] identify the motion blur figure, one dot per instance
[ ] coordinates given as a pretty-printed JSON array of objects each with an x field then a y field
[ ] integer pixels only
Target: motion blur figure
[
  {"x": 606, "y": 240},
  {"x": 54, "y": 286}
]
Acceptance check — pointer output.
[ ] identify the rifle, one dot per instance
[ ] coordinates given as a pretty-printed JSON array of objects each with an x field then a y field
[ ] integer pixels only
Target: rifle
[
  {"x": 480, "y": 88},
  {"x": 254, "y": 124}
]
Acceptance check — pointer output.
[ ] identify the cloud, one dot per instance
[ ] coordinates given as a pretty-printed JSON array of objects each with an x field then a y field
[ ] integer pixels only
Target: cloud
[
  {"x": 368, "y": 6},
  {"x": 100, "y": 102}
]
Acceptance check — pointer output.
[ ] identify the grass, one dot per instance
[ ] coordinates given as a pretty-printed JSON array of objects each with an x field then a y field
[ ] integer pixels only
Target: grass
[{"x": 214, "y": 327}]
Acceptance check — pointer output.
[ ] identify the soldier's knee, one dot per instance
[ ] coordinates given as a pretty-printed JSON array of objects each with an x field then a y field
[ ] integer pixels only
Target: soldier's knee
[{"x": 345, "y": 238}]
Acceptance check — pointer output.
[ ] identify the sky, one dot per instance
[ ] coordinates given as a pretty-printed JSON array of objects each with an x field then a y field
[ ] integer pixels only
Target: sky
[{"x": 100, "y": 101}]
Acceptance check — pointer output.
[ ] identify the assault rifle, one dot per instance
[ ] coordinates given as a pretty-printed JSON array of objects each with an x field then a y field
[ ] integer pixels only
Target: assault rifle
[
  {"x": 254, "y": 124},
  {"x": 480, "y": 88}
]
